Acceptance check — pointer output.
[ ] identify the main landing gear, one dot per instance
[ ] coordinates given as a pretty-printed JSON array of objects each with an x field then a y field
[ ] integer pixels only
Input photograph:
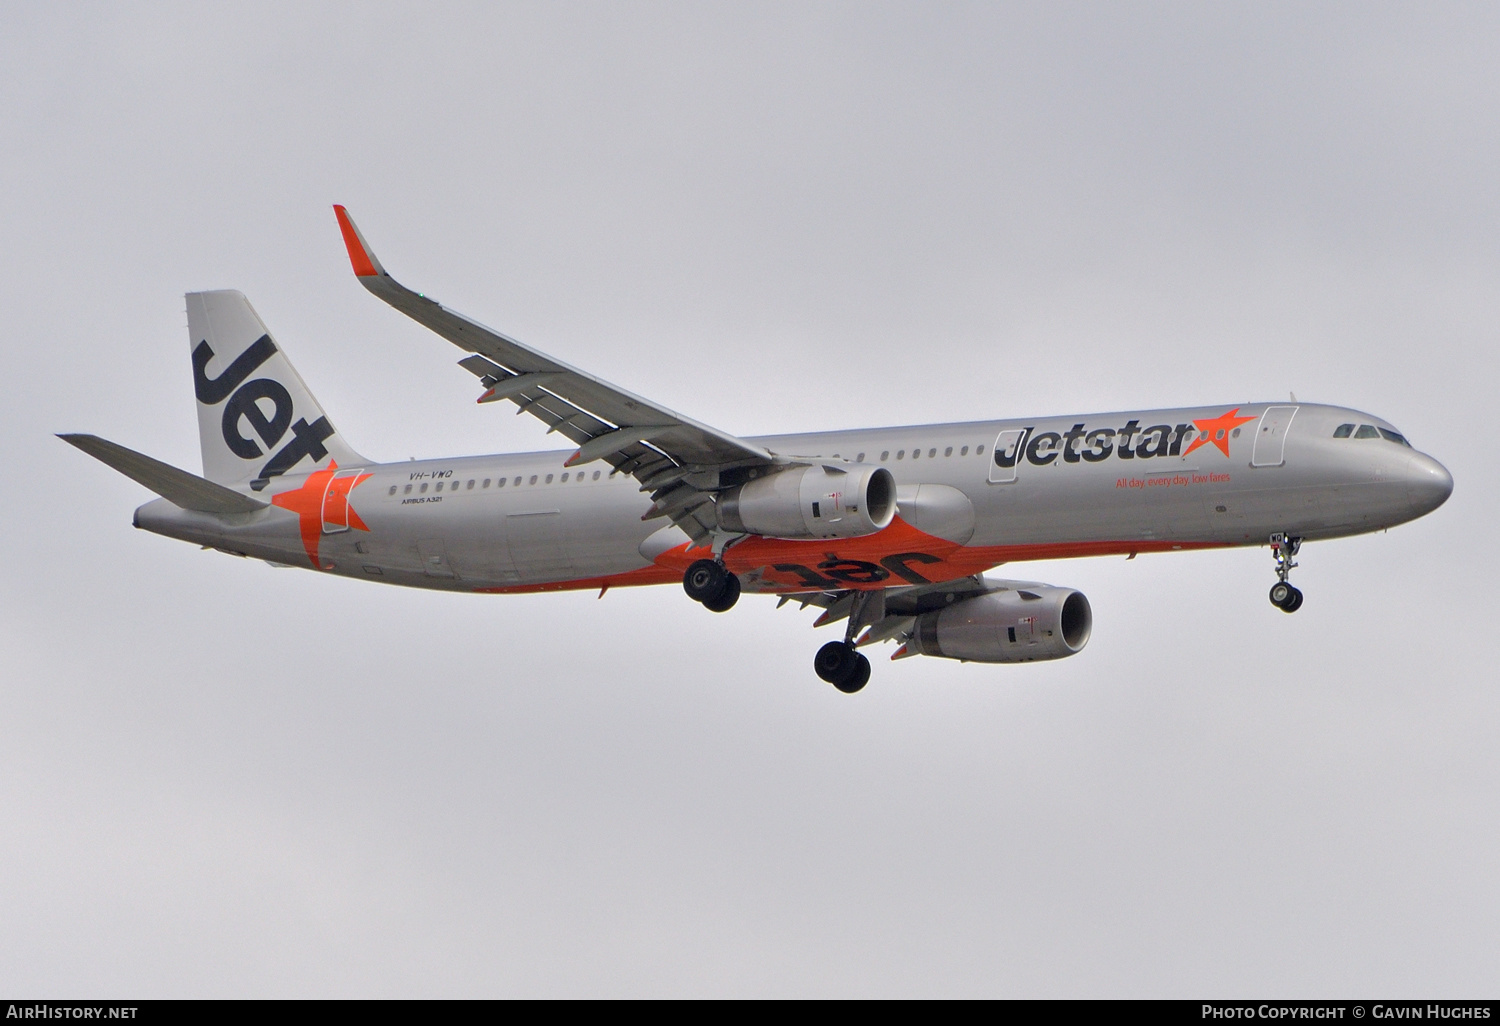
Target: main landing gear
[
  {"x": 1284, "y": 596},
  {"x": 707, "y": 581},
  {"x": 839, "y": 662}
]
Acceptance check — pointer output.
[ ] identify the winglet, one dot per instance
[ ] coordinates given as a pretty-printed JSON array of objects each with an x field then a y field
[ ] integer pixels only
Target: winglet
[{"x": 365, "y": 264}]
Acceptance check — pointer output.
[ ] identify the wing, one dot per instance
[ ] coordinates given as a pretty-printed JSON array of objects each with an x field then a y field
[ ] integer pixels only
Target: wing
[{"x": 680, "y": 461}]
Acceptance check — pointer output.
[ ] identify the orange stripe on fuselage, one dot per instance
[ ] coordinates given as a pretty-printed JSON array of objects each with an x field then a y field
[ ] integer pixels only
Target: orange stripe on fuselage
[{"x": 899, "y": 555}]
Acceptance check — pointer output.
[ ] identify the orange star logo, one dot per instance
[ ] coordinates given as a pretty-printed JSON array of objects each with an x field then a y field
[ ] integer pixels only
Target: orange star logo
[
  {"x": 1216, "y": 431},
  {"x": 322, "y": 499}
]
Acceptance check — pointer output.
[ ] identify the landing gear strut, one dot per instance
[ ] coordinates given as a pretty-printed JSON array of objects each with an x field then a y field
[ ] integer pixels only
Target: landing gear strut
[
  {"x": 1284, "y": 596},
  {"x": 707, "y": 581}
]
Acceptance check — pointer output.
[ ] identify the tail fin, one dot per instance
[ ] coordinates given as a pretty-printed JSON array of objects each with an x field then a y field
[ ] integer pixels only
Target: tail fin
[{"x": 256, "y": 418}]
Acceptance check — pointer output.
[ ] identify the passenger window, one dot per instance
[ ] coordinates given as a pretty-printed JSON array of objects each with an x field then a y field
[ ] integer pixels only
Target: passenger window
[
  {"x": 471, "y": 483},
  {"x": 900, "y": 454},
  {"x": 978, "y": 450},
  {"x": 931, "y": 452},
  {"x": 500, "y": 483},
  {"x": 860, "y": 458},
  {"x": 564, "y": 479},
  {"x": 916, "y": 454},
  {"x": 596, "y": 475},
  {"x": 1366, "y": 431},
  {"x": 885, "y": 456},
  {"x": 948, "y": 452},
  {"x": 423, "y": 489},
  {"x": 408, "y": 490},
  {"x": 549, "y": 478},
  {"x": 1343, "y": 431},
  {"x": 486, "y": 483},
  {"x": 533, "y": 479},
  {"x": 393, "y": 489},
  {"x": 964, "y": 451}
]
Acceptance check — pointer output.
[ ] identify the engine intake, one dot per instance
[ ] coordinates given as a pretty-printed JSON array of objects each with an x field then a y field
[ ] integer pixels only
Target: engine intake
[
  {"x": 821, "y": 501},
  {"x": 1019, "y": 625}
]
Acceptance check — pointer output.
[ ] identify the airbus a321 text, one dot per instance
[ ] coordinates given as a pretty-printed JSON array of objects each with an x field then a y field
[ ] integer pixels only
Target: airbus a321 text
[{"x": 888, "y": 530}]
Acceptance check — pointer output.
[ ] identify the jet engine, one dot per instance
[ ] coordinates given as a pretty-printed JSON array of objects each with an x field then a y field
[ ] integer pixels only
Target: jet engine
[
  {"x": 820, "y": 501},
  {"x": 1015, "y": 625}
]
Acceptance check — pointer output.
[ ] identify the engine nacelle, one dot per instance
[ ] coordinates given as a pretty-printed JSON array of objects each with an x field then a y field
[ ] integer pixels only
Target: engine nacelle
[
  {"x": 1017, "y": 625},
  {"x": 820, "y": 501}
]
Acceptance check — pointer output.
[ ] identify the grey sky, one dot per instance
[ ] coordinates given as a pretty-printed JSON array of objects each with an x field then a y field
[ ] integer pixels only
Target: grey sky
[{"x": 221, "y": 779}]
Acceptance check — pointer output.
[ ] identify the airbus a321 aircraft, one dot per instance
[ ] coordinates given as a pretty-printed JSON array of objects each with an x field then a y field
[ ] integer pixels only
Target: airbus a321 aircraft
[{"x": 888, "y": 530}]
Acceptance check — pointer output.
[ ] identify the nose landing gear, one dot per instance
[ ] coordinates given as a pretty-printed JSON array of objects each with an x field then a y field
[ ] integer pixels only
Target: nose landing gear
[
  {"x": 709, "y": 582},
  {"x": 1283, "y": 595}
]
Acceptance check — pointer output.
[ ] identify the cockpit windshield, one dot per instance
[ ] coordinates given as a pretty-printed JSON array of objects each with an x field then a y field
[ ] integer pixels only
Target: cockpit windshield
[{"x": 1369, "y": 431}]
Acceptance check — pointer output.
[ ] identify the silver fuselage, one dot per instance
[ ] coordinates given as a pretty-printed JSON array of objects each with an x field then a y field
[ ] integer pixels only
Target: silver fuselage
[{"x": 1093, "y": 484}]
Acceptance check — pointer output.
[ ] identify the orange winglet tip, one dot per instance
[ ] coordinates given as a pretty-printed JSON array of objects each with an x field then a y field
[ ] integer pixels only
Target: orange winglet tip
[
  {"x": 573, "y": 458},
  {"x": 900, "y": 653},
  {"x": 364, "y": 262}
]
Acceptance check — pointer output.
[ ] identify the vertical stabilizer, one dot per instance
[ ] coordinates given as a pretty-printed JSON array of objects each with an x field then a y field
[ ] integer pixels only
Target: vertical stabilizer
[{"x": 256, "y": 418}]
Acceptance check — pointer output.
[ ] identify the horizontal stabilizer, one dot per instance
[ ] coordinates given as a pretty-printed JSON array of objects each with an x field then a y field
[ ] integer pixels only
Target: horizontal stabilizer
[{"x": 176, "y": 486}]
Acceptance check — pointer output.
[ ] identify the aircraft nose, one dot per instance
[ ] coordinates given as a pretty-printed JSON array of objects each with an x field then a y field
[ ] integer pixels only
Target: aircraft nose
[{"x": 1428, "y": 483}]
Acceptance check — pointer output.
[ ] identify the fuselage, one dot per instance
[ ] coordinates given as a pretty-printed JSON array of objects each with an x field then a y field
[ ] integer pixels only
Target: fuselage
[{"x": 971, "y": 496}]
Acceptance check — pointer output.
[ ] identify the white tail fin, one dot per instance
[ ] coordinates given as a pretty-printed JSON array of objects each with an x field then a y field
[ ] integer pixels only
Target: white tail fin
[{"x": 256, "y": 418}]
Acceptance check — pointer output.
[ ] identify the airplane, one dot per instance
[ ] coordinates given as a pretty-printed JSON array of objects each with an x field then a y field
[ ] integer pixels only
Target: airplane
[{"x": 890, "y": 531}]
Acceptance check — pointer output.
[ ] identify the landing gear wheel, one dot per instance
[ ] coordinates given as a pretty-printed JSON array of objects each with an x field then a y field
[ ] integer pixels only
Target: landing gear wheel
[
  {"x": 840, "y": 665},
  {"x": 727, "y": 599},
  {"x": 1285, "y": 597},
  {"x": 705, "y": 581},
  {"x": 858, "y": 679},
  {"x": 834, "y": 661}
]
